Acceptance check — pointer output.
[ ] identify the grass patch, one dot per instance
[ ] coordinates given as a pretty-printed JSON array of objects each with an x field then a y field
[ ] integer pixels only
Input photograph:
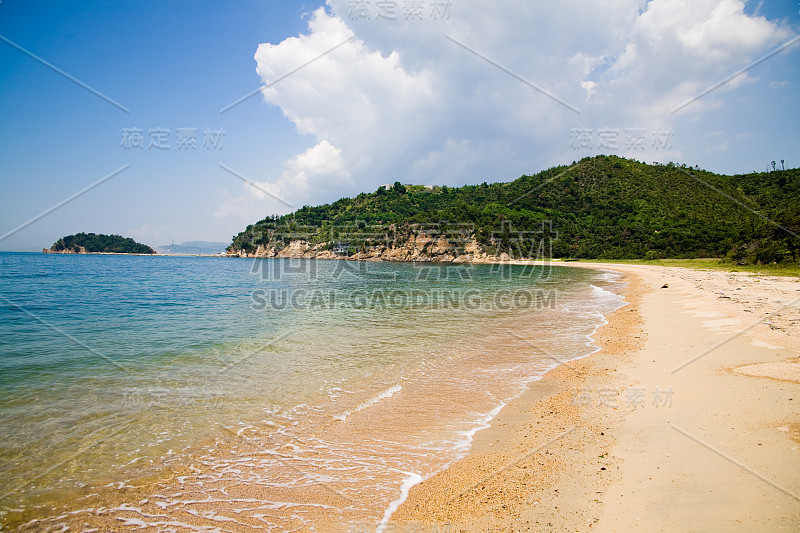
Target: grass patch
[{"x": 782, "y": 269}]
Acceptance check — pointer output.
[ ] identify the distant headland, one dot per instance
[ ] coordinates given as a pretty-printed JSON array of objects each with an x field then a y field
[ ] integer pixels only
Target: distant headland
[
  {"x": 602, "y": 207},
  {"x": 97, "y": 243}
]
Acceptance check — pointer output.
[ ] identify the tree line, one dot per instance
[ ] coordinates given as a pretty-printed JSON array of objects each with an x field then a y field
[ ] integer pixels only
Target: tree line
[{"x": 602, "y": 207}]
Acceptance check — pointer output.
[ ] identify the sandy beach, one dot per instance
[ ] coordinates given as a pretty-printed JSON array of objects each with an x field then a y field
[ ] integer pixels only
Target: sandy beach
[{"x": 686, "y": 420}]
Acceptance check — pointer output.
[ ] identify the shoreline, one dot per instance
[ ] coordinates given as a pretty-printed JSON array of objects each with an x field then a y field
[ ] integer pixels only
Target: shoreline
[
  {"x": 181, "y": 487},
  {"x": 544, "y": 408},
  {"x": 752, "y": 269},
  {"x": 573, "y": 452},
  {"x": 597, "y": 444},
  {"x": 389, "y": 521}
]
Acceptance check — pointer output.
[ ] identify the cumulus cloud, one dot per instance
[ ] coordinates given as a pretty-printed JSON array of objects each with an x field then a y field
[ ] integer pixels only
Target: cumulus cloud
[
  {"x": 687, "y": 46},
  {"x": 320, "y": 168},
  {"x": 461, "y": 99}
]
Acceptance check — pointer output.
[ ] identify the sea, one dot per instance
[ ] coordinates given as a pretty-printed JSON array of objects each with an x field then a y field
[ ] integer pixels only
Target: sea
[{"x": 229, "y": 394}]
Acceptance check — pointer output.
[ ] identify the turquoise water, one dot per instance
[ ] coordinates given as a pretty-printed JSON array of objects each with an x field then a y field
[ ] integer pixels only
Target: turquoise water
[{"x": 334, "y": 379}]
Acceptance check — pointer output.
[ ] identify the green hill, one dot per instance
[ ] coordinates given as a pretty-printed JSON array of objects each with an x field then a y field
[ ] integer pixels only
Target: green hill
[
  {"x": 604, "y": 207},
  {"x": 87, "y": 243}
]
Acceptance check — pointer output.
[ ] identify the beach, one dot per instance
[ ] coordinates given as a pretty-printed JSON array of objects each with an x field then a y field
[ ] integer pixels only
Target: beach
[
  {"x": 686, "y": 420},
  {"x": 627, "y": 397},
  {"x": 285, "y": 394}
]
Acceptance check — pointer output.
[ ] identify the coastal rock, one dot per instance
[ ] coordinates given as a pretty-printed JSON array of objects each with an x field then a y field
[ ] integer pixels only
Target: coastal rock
[
  {"x": 411, "y": 248},
  {"x": 53, "y": 250}
]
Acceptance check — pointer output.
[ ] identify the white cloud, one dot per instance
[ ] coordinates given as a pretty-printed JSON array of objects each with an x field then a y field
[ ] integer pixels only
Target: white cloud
[
  {"x": 590, "y": 87},
  {"x": 400, "y": 101},
  {"x": 319, "y": 168},
  {"x": 688, "y": 46}
]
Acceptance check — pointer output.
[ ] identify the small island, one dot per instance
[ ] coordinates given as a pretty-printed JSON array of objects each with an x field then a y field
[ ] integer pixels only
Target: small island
[{"x": 91, "y": 243}]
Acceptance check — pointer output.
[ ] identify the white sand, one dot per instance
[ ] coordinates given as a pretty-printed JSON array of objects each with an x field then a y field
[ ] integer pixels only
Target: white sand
[{"x": 660, "y": 431}]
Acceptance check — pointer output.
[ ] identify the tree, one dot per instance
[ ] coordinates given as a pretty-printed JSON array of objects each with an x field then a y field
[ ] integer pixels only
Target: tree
[
  {"x": 99, "y": 243},
  {"x": 606, "y": 207}
]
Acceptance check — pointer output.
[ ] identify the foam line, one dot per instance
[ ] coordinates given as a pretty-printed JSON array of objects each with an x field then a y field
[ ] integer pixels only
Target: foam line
[{"x": 388, "y": 393}]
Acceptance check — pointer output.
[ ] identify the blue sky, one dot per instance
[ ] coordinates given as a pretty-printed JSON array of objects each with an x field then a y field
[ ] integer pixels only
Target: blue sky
[{"x": 451, "y": 93}]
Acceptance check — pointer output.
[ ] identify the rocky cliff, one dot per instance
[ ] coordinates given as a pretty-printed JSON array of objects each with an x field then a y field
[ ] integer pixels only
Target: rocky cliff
[
  {"x": 54, "y": 250},
  {"x": 415, "y": 248}
]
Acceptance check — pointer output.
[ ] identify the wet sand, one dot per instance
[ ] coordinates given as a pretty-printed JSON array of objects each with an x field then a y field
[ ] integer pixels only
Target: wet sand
[{"x": 686, "y": 420}]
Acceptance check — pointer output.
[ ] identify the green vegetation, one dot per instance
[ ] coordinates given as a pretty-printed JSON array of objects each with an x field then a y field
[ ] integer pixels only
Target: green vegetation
[
  {"x": 604, "y": 207},
  {"x": 771, "y": 269},
  {"x": 99, "y": 243}
]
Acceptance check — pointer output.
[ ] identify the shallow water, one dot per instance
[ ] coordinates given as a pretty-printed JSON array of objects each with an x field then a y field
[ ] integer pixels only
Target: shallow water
[{"x": 197, "y": 393}]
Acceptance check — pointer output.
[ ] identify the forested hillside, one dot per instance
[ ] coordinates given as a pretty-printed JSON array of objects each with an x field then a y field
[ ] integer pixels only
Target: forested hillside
[{"x": 603, "y": 207}]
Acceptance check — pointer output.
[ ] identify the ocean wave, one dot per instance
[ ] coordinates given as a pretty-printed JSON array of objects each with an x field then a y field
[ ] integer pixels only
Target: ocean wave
[{"x": 388, "y": 393}]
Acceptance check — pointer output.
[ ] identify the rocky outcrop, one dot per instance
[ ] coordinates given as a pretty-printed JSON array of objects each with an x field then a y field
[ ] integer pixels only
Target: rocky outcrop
[
  {"x": 416, "y": 248},
  {"x": 53, "y": 250}
]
